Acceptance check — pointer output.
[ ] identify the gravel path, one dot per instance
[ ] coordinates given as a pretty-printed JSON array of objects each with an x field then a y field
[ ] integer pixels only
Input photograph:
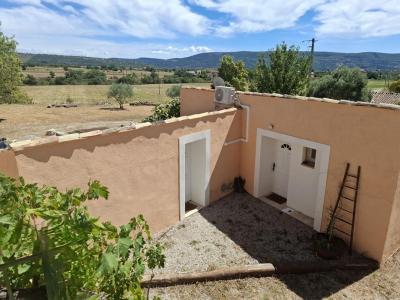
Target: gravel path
[{"x": 236, "y": 230}]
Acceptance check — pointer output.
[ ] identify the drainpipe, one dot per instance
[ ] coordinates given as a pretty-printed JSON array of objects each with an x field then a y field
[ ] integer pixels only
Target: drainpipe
[{"x": 246, "y": 138}]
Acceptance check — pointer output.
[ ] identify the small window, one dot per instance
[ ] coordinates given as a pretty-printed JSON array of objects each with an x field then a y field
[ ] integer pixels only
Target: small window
[{"x": 309, "y": 155}]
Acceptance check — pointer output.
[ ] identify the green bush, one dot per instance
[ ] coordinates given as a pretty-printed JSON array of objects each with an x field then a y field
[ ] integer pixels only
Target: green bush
[
  {"x": 174, "y": 91},
  {"x": 165, "y": 111},
  {"x": 48, "y": 237},
  {"x": 394, "y": 87},
  {"x": 343, "y": 83}
]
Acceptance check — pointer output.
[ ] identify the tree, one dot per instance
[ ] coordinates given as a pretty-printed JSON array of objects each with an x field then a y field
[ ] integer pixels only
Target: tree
[
  {"x": 343, "y": 83},
  {"x": 48, "y": 237},
  {"x": 10, "y": 72},
  {"x": 30, "y": 80},
  {"x": 95, "y": 77},
  {"x": 394, "y": 87},
  {"x": 120, "y": 92},
  {"x": 174, "y": 91},
  {"x": 287, "y": 73},
  {"x": 234, "y": 73},
  {"x": 129, "y": 79}
]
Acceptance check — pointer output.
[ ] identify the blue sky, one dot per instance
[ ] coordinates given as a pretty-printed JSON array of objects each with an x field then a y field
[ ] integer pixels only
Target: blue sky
[{"x": 178, "y": 28}]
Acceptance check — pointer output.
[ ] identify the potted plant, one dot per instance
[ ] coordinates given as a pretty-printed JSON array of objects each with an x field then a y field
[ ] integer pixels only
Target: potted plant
[{"x": 326, "y": 245}]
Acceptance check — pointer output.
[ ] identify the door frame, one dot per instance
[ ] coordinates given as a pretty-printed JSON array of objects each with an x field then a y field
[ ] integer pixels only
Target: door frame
[
  {"x": 183, "y": 141},
  {"x": 278, "y": 147},
  {"x": 323, "y": 171}
]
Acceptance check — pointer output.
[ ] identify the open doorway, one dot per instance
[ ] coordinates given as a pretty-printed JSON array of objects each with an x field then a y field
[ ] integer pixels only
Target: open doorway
[
  {"x": 290, "y": 175},
  {"x": 194, "y": 172}
]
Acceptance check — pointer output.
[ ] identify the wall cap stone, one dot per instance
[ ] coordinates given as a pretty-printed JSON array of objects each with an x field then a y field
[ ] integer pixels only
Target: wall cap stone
[
  {"x": 304, "y": 98},
  {"x": 20, "y": 145}
]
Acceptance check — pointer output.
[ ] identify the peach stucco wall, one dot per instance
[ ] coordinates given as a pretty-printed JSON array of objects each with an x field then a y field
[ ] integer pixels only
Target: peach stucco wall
[
  {"x": 139, "y": 166},
  {"x": 192, "y": 104},
  {"x": 360, "y": 135}
]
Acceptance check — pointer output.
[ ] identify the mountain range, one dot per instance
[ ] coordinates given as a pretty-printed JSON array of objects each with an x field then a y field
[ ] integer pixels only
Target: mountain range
[{"x": 323, "y": 61}]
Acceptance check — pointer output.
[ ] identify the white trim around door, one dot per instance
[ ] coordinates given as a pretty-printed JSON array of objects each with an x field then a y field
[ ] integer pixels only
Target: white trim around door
[
  {"x": 324, "y": 151},
  {"x": 183, "y": 142}
]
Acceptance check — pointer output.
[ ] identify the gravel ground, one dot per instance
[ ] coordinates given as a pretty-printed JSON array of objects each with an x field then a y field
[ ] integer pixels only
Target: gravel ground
[
  {"x": 236, "y": 230},
  {"x": 241, "y": 229}
]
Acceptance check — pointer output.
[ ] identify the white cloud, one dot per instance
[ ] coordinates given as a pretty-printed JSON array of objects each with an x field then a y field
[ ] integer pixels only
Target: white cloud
[
  {"x": 172, "y": 51},
  {"x": 258, "y": 15},
  {"x": 361, "y": 18}
]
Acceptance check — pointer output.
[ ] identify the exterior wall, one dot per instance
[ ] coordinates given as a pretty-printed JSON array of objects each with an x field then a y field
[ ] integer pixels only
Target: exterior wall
[
  {"x": 139, "y": 166},
  {"x": 192, "y": 104},
  {"x": 361, "y": 135},
  {"x": 8, "y": 163},
  {"x": 393, "y": 234}
]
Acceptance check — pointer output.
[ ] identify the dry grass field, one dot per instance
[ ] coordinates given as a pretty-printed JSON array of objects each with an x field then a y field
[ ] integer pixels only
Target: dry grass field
[
  {"x": 94, "y": 109},
  {"x": 43, "y": 72},
  {"x": 95, "y": 94},
  {"x": 18, "y": 122}
]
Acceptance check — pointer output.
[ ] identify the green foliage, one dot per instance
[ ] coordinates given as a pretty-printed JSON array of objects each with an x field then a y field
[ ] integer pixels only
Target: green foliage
[
  {"x": 129, "y": 79},
  {"x": 234, "y": 73},
  {"x": 123, "y": 263},
  {"x": 120, "y": 92},
  {"x": 394, "y": 87},
  {"x": 48, "y": 238},
  {"x": 95, "y": 77},
  {"x": 10, "y": 72},
  {"x": 30, "y": 80},
  {"x": 287, "y": 73},
  {"x": 165, "y": 111},
  {"x": 343, "y": 83},
  {"x": 174, "y": 91}
]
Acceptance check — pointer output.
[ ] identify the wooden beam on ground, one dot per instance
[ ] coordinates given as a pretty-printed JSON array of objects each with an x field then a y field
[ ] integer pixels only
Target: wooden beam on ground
[{"x": 220, "y": 274}]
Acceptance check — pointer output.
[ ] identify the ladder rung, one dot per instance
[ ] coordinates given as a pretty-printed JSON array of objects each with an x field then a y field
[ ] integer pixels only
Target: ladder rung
[
  {"x": 350, "y": 187},
  {"x": 351, "y": 175},
  {"x": 346, "y": 210},
  {"x": 341, "y": 231},
  {"x": 343, "y": 220},
  {"x": 347, "y": 198}
]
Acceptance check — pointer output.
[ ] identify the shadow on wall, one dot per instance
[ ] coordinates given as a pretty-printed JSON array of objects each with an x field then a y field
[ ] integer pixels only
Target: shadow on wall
[
  {"x": 66, "y": 149},
  {"x": 270, "y": 236}
]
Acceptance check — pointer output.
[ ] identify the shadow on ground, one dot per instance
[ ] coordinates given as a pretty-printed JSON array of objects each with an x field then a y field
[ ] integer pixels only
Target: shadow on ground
[{"x": 270, "y": 236}]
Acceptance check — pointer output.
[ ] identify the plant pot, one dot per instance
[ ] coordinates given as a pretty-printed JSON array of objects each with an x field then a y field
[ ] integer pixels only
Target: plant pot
[{"x": 329, "y": 249}]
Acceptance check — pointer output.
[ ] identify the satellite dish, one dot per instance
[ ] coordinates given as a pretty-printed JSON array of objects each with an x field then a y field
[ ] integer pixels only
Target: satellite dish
[{"x": 218, "y": 81}]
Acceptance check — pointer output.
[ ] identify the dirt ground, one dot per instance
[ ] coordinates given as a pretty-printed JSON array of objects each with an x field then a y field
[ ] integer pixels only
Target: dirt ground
[
  {"x": 243, "y": 230},
  {"x": 18, "y": 122}
]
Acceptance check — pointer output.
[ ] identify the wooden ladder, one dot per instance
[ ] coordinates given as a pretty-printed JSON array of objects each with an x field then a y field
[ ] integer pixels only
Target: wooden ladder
[{"x": 342, "y": 214}]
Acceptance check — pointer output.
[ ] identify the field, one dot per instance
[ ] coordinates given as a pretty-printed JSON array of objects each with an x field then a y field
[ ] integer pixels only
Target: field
[
  {"x": 94, "y": 110},
  {"x": 376, "y": 84},
  {"x": 95, "y": 94},
  {"x": 43, "y": 72}
]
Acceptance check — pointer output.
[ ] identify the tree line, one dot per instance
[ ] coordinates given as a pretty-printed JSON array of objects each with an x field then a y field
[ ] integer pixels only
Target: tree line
[
  {"x": 95, "y": 76},
  {"x": 290, "y": 72}
]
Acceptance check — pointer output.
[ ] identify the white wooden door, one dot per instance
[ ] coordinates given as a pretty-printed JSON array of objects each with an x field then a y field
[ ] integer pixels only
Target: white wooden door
[{"x": 281, "y": 169}]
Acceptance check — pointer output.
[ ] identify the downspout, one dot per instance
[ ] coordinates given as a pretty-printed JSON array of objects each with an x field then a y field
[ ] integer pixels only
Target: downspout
[{"x": 246, "y": 138}]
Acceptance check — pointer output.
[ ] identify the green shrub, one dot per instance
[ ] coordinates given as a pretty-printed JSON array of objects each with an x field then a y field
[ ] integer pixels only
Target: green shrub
[
  {"x": 343, "y": 83},
  {"x": 174, "y": 91},
  {"x": 48, "y": 237},
  {"x": 394, "y": 87},
  {"x": 165, "y": 111}
]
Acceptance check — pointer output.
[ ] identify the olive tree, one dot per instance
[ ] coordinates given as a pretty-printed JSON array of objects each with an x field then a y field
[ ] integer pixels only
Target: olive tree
[{"x": 120, "y": 92}]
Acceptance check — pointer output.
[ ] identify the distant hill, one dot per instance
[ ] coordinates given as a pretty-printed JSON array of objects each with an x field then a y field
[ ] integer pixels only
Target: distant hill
[{"x": 324, "y": 61}]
